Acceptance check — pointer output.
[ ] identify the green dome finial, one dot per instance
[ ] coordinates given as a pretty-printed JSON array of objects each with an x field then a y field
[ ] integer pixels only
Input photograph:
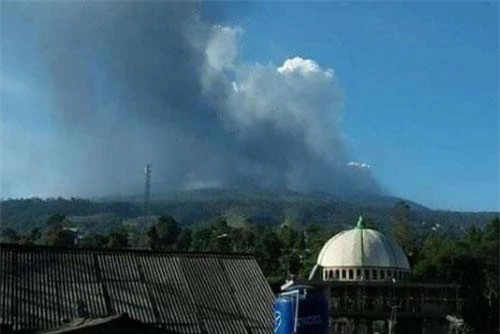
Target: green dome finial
[{"x": 361, "y": 223}]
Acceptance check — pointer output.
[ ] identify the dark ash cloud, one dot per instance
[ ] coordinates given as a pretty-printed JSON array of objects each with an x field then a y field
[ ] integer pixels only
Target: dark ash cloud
[{"x": 127, "y": 83}]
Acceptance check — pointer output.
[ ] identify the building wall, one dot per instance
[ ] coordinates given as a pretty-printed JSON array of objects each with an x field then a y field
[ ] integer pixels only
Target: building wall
[{"x": 362, "y": 308}]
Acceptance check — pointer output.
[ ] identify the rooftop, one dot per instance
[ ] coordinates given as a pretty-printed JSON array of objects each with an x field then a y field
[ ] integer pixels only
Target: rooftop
[{"x": 41, "y": 287}]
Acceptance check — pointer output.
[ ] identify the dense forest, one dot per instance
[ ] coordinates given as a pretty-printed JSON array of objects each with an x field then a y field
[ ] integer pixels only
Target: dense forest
[{"x": 469, "y": 257}]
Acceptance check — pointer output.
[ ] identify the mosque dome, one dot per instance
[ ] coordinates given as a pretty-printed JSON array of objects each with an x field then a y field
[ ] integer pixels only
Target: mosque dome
[{"x": 362, "y": 254}]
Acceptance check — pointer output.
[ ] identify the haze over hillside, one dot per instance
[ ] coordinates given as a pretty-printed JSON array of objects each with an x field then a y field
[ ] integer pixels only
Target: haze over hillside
[{"x": 238, "y": 207}]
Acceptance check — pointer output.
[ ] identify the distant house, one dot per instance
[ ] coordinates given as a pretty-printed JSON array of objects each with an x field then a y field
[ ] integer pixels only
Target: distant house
[{"x": 69, "y": 289}]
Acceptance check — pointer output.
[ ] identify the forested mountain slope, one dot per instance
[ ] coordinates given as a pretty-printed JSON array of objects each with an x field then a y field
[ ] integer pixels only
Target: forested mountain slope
[{"x": 236, "y": 206}]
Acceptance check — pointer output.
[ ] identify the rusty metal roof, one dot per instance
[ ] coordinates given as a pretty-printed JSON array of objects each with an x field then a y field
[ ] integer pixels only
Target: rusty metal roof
[{"x": 41, "y": 287}]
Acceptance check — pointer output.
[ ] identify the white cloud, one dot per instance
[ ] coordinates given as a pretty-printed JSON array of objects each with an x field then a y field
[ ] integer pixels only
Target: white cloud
[
  {"x": 222, "y": 48},
  {"x": 361, "y": 165},
  {"x": 306, "y": 105},
  {"x": 235, "y": 87},
  {"x": 304, "y": 67}
]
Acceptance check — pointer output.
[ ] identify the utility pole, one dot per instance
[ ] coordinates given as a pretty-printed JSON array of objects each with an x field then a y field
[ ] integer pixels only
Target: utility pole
[{"x": 393, "y": 319}]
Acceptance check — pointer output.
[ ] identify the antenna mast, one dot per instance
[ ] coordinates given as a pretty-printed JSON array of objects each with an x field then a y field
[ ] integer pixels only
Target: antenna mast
[{"x": 147, "y": 192}]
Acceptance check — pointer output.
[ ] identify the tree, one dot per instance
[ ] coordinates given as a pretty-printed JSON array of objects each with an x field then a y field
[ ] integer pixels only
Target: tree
[
  {"x": 287, "y": 236},
  {"x": 268, "y": 250},
  {"x": 472, "y": 262},
  {"x": 95, "y": 240},
  {"x": 220, "y": 227},
  {"x": 201, "y": 239},
  {"x": 401, "y": 230},
  {"x": 490, "y": 254},
  {"x": 58, "y": 236},
  {"x": 118, "y": 238},
  {"x": 369, "y": 223},
  {"x": 294, "y": 264},
  {"x": 33, "y": 236},
  {"x": 10, "y": 235},
  {"x": 185, "y": 239},
  {"x": 221, "y": 243},
  {"x": 55, "y": 219},
  {"x": 248, "y": 240},
  {"x": 164, "y": 234},
  {"x": 221, "y": 237}
]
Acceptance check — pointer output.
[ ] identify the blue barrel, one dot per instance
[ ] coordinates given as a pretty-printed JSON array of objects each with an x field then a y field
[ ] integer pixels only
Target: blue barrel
[{"x": 311, "y": 316}]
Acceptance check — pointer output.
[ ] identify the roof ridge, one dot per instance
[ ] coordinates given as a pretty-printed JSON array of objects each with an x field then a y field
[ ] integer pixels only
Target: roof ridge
[{"x": 41, "y": 248}]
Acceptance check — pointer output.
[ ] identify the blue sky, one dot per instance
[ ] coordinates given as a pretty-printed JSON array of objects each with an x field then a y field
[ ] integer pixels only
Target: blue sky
[{"x": 420, "y": 81}]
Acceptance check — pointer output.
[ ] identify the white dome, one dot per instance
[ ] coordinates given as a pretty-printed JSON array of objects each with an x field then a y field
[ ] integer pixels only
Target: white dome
[{"x": 361, "y": 248}]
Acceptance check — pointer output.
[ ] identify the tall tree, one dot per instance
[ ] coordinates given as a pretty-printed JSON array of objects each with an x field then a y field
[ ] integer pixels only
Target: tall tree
[
  {"x": 201, "y": 239},
  {"x": 118, "y": 238},
  {"x": 221, "y": 237},
  {"x": 401, "y": 229},
  {"x": 10, "y": 235},
  {"x": 59, "y": 236},
  {"x": 185, "y": 239},
  {"x": 268, "y": 250},
  {"x": 55, "y": 219},
  {"x": 33, "y": 236},
  {"x": 287, "y": 236},
  {"x": 94, "y": 240},
  {"x": 164, "y": 234}
]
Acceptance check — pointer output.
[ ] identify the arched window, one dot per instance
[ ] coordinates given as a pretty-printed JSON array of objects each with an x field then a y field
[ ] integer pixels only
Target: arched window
[
  {"x": 337, "y": 274},
  {"x": 382, "y": 274},
  {"x": 343, "y": 273},
  {"x": 351, "y": 274},
  {"x": 358, "y": 274},
  {"x": 374, "y": 274},
  {"x": 330, "y": 274},
  {"x": 367, "y": 274},
  {"x": 326, "y": 274},
  {"x": 389, "y": 273}
]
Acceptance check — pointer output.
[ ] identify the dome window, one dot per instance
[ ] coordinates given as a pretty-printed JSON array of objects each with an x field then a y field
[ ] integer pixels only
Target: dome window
[
  {"x": 374, "y": 274},
  {"x": 351, "y": 274}
]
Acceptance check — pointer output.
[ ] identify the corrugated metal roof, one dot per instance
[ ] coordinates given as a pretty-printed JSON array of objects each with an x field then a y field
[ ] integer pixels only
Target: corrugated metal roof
[{"x": 183, "y": 292}]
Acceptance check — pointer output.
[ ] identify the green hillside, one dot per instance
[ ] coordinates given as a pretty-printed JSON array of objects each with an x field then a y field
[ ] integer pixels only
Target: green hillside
[{"x": 236, "y": 206}]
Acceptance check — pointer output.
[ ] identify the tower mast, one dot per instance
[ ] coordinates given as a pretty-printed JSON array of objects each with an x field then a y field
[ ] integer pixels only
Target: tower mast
[{"x": 147, "y": 192}]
